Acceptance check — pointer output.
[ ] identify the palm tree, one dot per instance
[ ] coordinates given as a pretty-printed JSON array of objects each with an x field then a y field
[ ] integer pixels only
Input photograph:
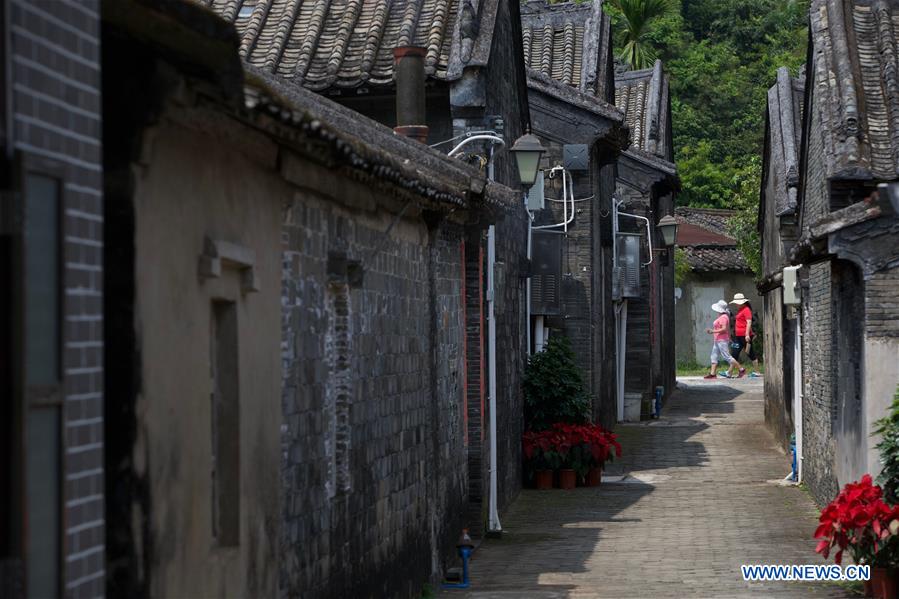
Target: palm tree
[{"x": 637, "y": 16}]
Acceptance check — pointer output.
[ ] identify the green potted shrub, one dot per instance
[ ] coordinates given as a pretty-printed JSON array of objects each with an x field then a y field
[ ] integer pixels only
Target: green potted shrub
[{"x": 554, "y": 389}]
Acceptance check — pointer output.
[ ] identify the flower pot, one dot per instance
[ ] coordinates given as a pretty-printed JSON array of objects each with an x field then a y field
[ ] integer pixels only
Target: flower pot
[
  {"x": 544, "y": 479},
  {"x": 877, "y": 576},
  {"x": 889, "y": 584},
  {"x": 567, "y": 478},
  {"x": 594, "y": 477}
]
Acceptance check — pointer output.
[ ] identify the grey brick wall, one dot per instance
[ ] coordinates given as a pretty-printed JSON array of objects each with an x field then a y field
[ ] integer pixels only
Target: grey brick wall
[
  {"x": 55, "y": 74},
  {"x": 577, "y": 261},
  {"x": 399, "y": 517},
  {"x": 818, "y": 407},
  {"x": 882, "y": 304},
  {"x": 507, "y": 96}
]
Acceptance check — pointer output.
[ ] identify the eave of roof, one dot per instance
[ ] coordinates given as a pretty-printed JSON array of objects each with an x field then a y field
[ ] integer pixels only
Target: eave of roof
[
  {"x": 539, "y": 82},
  {"x": 368, "y": 147},
  {"x": 660, "y": 164}
]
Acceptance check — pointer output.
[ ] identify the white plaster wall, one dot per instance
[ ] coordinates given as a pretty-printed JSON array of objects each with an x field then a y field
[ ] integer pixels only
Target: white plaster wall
[{"x": 879, "y": 381}]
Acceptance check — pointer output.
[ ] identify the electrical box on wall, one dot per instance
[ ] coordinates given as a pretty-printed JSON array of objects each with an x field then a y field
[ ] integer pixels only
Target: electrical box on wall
[
  {"x": 792, "y": 292},
  {"x": 535, "y": 194},
  {"x": 628, "y": 267},
  {"x": 546, "y": 273},
  {"x": 576, "y": 157}
]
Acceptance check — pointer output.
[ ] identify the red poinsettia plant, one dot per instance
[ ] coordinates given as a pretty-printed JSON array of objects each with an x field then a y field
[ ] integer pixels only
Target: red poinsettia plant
[
  {"x": 577, "y": 446},
  {"x": 858, "y": 520}
]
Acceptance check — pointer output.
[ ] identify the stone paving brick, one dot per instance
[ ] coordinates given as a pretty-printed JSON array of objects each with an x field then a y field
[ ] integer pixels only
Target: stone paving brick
[{"x": 696, "y": 503}]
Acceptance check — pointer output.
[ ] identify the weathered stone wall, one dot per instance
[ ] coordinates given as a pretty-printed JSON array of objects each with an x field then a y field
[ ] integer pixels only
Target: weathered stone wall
[
  {"x": 817, "y": 323},
  {"x": 383, "y": 531}
]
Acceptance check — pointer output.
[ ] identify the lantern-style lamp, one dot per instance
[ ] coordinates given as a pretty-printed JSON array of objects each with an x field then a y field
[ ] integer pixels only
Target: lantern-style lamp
[
  {"x": 668, "y": 229},
  {"x": 527, "y": 151}
]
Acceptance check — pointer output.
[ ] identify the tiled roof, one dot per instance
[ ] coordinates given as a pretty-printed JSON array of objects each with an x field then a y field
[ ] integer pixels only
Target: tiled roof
[
  {"x": 784, "y": 129},
  {"x": 702, "y": 235},
  {"x": 711, "y": 219},
  {"x": 718, "y": 259},
  {"x": 643, "y": 97},
  {"x": 856, "y": 72},
  {"x": 569, "y": 42},
  {"x": 324, "y": 44},
  {"x": 691, "y": 235}
]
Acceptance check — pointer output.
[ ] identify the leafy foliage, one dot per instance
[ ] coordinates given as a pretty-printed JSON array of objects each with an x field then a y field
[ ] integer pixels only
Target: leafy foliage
[
  {"x": 554, "y": 389},
  {"x": 743, "y": 225},
  {"x": 888, "y": 428},
  {"x": 636, "y": 18},
  {"x": 721, "y": 55},
  {"x": 681, "y": 266}
]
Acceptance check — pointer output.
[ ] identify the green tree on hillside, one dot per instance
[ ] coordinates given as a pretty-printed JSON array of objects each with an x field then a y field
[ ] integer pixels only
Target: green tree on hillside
[
  {"x": 721, "y": 55},
  {"x": 636, "y": 18}
]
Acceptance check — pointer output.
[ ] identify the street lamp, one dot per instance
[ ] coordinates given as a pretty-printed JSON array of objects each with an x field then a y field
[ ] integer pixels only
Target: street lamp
[
  {"x": 527, "y": 151},
  {"x": 668, "y": 228}
]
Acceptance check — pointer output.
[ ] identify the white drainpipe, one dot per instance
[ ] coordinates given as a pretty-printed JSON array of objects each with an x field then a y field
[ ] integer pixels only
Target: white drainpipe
[
  {"x": 621, "y": 353},
  {"x": 797, "y": 395},
  {"x": 528, "y": 290},
  {"x": 493, "y": 514},
  {"x": 538, "y": 334},
  {"x": 493, "y": 524}
]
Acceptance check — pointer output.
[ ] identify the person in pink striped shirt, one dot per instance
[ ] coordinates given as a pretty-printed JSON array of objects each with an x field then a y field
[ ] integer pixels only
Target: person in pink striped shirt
[{"x": 720, "y": 332}]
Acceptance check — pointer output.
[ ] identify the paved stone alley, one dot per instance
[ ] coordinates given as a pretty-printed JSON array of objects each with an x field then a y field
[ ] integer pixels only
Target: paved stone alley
[{"x": 698, "y": 498}]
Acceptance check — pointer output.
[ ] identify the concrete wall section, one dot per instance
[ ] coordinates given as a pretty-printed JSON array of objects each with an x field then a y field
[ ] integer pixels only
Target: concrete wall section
[
  {"x": 180, "y": 202},
  {"x": 694, "y": 310}
]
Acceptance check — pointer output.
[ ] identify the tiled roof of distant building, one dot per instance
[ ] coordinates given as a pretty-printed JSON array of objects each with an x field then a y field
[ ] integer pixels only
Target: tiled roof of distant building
[
  {"x": 643, "y": 97},
  {"x": 323, "y": 45},
  {"x": 570, "y": 43},
  {"x": 702, "y": 234}
]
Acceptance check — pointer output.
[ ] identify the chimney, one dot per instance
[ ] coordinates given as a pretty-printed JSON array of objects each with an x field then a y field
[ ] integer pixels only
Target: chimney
[{"x": 409, "y": 74}]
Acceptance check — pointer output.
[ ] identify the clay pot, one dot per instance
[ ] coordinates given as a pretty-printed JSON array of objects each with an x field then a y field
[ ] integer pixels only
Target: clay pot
[
  {"x": 544, "y": 479},
  {"x": 567, "y": 478},
  {"x": 879, "y": 577},
  {"x": 594, "y": 477},
  {"x": 889, "y": 584}
]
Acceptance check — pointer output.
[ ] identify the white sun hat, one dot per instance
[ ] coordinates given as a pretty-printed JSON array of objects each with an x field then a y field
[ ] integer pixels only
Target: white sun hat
[
  {"x": 720, "y": 306},
  {"x": 739, "y": 298}
]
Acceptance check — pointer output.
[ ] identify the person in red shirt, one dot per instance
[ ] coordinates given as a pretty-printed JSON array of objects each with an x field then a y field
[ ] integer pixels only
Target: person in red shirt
[{"x": 743, "y": 334}]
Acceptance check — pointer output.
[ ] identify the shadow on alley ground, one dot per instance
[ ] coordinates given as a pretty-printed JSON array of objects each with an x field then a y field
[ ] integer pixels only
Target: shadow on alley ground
[{"x": 695, "y": 502}]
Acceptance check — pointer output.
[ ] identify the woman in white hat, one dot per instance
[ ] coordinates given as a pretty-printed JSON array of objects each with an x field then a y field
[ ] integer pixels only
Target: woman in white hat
[
  {"x": 721, "y": 340},
  {"x": 743, "y": 334}
]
